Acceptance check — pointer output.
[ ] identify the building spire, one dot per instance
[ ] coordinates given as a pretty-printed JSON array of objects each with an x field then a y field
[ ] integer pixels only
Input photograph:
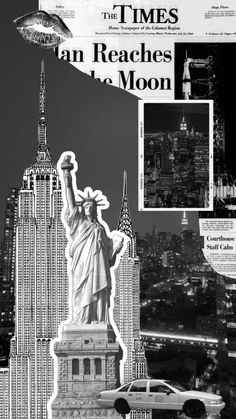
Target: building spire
[
  {"x": 186, "y": 79},
  {"x": 125, "y": 185},
  {"x": 43, "y": 152},
  {"x": 183, "y": 124},
  {"x": 42, "y": 91},
  {"x": 125, "y": 224},
  {"x": 184, "y": 222}
]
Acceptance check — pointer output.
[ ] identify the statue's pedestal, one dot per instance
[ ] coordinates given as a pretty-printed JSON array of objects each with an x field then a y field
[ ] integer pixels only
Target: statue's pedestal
[{"x": 88, "y": 362}]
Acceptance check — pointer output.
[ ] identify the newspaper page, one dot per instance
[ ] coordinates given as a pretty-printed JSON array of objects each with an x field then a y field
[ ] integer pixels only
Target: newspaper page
[
  {"x": 143, "y": 91},
  {"x": 160, "y": 54},
  {"x": 131, "y": 45}
]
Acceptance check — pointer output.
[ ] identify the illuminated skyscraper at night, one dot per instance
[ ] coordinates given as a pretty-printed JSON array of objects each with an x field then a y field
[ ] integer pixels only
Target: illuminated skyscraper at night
[
  {"x": 8, "y": 263},
  {"x": 41, "y": 280},
  {"x": 184, "y": 222},
  {"x": 7, "y": 276}
]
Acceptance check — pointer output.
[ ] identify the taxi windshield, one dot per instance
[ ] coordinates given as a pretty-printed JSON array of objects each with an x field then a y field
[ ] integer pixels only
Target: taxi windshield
[{"x": 177, "y": 386}]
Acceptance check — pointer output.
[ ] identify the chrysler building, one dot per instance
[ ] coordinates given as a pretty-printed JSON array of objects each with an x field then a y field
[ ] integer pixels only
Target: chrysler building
[
  {"x": 127, "y": 303},
  {"x": 41, "y": 280}
]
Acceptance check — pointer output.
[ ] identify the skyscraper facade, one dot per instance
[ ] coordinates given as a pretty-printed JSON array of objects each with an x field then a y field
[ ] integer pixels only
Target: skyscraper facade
[
  {"x": 4, "y": 393},
  {"x": 41, "y": 280},
  {"x": 127, "y": 302}
]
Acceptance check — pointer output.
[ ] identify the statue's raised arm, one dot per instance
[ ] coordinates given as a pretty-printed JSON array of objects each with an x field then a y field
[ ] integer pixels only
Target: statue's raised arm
[{"x": 66, "y": 167}]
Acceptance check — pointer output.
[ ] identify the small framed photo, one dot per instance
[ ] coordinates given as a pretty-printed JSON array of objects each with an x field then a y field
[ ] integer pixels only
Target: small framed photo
[{"x": 175, "y": 155}]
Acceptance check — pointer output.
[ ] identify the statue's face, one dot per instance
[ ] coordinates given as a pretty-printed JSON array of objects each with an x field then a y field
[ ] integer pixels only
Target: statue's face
[{"x": 89, "y": 209}]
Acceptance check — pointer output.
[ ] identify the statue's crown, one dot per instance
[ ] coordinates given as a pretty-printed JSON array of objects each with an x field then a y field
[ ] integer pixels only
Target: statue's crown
[{"x": 88, "y": 195}]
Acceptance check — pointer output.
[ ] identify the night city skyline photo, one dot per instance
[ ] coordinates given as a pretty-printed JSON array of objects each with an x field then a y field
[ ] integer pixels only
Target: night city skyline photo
[{"x": 177, "y": 155}]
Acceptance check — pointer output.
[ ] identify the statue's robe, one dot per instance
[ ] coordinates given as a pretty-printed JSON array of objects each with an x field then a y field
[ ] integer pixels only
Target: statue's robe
[{"x": 91, "y": 255}]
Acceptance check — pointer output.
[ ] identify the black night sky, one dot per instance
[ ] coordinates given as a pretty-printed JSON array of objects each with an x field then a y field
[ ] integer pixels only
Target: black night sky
[
  {"x": 167, "y": 116},
  {"x": 97, "y": 122}
]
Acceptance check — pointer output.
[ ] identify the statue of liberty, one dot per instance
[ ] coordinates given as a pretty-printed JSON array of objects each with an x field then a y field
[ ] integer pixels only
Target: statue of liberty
[{"x": 92, "y": 252}]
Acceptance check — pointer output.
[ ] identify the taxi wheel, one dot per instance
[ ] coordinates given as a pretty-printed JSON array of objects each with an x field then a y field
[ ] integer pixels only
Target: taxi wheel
[
  {"x": 194, "y": 408},
  {"x": 122, "y": 406}
]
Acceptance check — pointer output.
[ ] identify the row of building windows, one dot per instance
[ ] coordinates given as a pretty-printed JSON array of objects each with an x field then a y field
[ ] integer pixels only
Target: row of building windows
[{"x": 86, "y": 366}]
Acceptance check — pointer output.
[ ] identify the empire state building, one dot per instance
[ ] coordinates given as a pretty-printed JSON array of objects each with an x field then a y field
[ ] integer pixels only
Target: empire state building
[{"x": 41, "y": 280}]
